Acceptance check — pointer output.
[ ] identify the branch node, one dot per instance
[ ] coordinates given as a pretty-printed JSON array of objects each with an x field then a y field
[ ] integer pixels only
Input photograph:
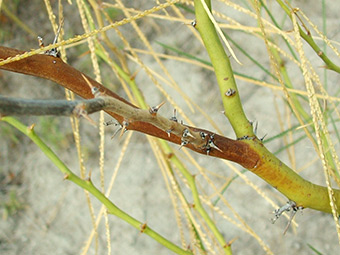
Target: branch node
[
  {"x": 210, "y": 144},
  {"x": 231, "y": 242},
  {"x": 88, "y": 178},
  {"x": 203, "y": 135},
  {"x": 79, "y": 111},
  {"x": 94, "y": 90},
  {"x": 30, "y": 128},
  {"x": 143, "y": 227},
  {"x": 246, "y": 137},
  {"x": 193, "y": 23},
  {"x": 230, "y": 92}
]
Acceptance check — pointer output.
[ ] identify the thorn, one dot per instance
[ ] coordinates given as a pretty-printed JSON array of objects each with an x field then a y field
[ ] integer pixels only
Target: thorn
[
  {"x": 187, "y": 133},
  {"x": 30, "y": 128},
  {"x": 87, "y": 117},
  {"x": 281, "y": 210},
  {"x": 54, "y": 51},
  {"x": 41, "y": 42},
  {"x": 291, "y": 205},
  {"x": 174, "y": 118},
  {"x": 193, "y": 23},
  {"x": 90, "y": 175},
  {"x": 292, "y": 214},
  {"x": 191, "y": 205},
  {"x": 110, "y": 122},
  {"x": 117, "y": 131},
  {"x": 231, "y": 241},
  {"x": 255, "y": 128},
  {"x": 168, "y": 132},
  {"x": 133, "y": 76},
  {"x": 58, "y": 31},
  {"x": 79, "y": 111},
  {"x": 113, "y": 122},
  {"x": 261, "y": 139},
  {"x": 88, "y": 178},
  {"x": 153, "y": 110},
  {"x": 66, "y": 176},
  {"x": 230, "y": 92},
  {"x": 124, "y": 129},
  {"x": 183, "y": 143},
  {"x": 94, "y": 90},
  {"x": 203, "y": 135},
  {"x": 212, "y": 145}
]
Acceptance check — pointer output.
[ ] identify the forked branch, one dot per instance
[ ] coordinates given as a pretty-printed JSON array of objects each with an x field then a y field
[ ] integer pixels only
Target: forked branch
[{"x": 248, "y": 152}]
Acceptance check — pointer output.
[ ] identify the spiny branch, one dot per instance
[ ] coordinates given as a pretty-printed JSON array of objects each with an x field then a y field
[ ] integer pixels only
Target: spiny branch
[
  {"x": 199, "y": 140},
  {"x": 248, "y": 152}
]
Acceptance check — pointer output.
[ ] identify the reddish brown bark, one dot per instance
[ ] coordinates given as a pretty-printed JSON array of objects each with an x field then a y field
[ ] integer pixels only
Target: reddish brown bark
[{"x": 54, "y": 69}]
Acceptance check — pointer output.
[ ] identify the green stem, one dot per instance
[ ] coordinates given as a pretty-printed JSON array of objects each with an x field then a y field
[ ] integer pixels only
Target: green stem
[
  {"x": 268, "y": 167},
  {"x": 223, "y": 71},
  {"x": 197, "y": 202},
  {"x": 309, "y": 39},
  {"x": 303, "y": 113},
  {"x": 88, "y": 185},
  {"x": 278, "y": 26}
]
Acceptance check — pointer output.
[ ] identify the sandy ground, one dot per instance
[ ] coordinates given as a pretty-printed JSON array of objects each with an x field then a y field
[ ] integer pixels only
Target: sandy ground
[{"x": 54, "y": 218}]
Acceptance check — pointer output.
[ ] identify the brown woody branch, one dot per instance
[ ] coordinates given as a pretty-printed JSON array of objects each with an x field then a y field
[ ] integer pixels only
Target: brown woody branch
[{"x": 54, "y": 69}]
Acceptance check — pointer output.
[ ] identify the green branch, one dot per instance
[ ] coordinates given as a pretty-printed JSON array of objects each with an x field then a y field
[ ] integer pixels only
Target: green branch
[
  {"x": 88, "y": 185},
  {"x": 197, "y": 202},
  {"x": 268, "y": 167},
  {"x": 309, "y": 39},
  {"x": 225, "y": 77}
]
